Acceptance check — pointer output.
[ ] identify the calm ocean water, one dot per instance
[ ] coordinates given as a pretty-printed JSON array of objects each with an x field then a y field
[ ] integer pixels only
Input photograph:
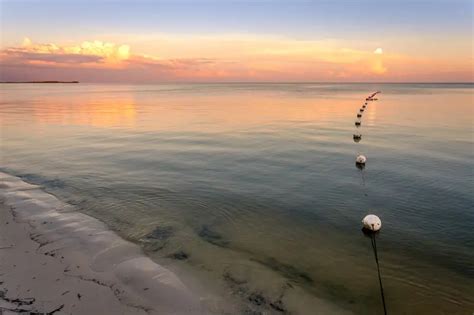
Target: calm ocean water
[{"x": 251, "y": 189}]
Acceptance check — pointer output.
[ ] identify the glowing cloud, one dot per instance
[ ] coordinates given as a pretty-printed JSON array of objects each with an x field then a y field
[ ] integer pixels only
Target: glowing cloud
[
  {"x": 87, "y": 53},
  {"x": 219, "y": 58}
]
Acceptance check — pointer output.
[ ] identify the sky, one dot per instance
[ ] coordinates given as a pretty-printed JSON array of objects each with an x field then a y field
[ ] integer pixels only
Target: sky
[{"x": 237, "y": 41}]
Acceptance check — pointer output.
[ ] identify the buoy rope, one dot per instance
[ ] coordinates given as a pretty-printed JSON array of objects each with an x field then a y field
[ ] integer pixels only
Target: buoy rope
[
  {"x": 364, "y": 188},
  {"x": 372, "y": 234},
  {"x": 374, "y": 246}
]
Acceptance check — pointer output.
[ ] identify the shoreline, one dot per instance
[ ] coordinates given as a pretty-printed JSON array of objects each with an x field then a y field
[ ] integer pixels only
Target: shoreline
[
  {"x": 38, "y": 82},
  {"x": 46, "y": 243},
  {"x": 54, "y": 259}
]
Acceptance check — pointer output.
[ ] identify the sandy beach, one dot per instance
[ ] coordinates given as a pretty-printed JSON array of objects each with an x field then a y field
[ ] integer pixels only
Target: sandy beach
[{"x": 57, "y": 261}]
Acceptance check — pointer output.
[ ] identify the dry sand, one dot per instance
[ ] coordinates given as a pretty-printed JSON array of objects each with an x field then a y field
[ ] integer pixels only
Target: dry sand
[{"x": 54, "y": 260}]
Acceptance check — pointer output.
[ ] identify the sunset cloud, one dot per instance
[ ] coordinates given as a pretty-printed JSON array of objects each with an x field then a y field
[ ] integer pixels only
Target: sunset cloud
[
  {"x": 88, "y": 53},
  {"x": 237, "y": 58},
  {"x": 49, "y": 58},
  {"x": 115, "y": 62}
]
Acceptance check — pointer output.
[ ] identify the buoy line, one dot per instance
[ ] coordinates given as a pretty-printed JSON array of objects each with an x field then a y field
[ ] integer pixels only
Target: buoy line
[
  {"x": 361, "y": 159},
  {"x": 374, "y": 246},
  {"x": 362, "y": 176},
  {"x": 371, "y": 223},
  {"x": 360, "y": 164}
]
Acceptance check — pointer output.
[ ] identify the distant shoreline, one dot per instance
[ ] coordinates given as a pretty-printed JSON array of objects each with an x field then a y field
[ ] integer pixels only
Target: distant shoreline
[{"x": 13, "y": 82}]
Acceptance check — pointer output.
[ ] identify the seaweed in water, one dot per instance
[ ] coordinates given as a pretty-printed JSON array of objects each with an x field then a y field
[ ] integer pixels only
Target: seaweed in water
[
  {"x": 260, "y": 301},
  {"x": 287, "y": 271},
  {"x": 180, "y": 255},
  {"x": 156, "y": 239},
  {"x": 257, "y": 299},
  {"x": 257, "y": 302},
  {"x": 161, "y": 233},
  {"x": 278, "y": 306},
  {"x": 232, "y": 281},
  {"x": 212, "y": 237}
]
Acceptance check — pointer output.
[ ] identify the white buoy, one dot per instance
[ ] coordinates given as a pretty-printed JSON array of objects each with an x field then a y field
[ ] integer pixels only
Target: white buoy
[
  {"x": 372, "y": 222},
  {"x": 361, "y": 159}
]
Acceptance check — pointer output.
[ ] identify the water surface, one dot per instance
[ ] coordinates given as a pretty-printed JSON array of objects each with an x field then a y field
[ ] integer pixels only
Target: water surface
[{"x": 252, "y": 188}]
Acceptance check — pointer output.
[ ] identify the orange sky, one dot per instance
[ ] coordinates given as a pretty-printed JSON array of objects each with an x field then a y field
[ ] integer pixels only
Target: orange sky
[
  {"x": 225, "y": 41},
  {"x": 224, "y": 58}
]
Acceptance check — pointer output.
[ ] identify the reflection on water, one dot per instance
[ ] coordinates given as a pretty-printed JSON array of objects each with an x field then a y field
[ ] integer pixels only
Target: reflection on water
[
  {"x": 252, "y": 189},
  {"x": 86, "y": 112}
]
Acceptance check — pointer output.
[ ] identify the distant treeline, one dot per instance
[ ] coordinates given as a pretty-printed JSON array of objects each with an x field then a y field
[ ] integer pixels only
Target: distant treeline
[{"x": 39, "y": 82}]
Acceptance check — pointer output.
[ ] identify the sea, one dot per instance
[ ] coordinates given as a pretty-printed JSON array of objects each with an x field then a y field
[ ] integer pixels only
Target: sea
[{"x": 250, "y": 192}]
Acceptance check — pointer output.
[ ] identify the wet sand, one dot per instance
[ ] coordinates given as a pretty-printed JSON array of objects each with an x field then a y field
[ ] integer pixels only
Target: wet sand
[{"x": 55, "y": 260}]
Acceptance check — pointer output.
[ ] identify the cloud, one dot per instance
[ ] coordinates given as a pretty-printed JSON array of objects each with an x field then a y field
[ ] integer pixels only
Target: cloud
[
  {"x": 178, "y": 63},
  {"x": 91, "y": 54},
  {"x": 19, "y": 57},
  {"x": 88, "y": 52},
  {"x": 115, "y": 63},
  {"x": 217, "y": 59}
]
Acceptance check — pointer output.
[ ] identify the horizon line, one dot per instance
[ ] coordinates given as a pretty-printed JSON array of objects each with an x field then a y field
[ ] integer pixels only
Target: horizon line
[{"x": 237, "y": 82}]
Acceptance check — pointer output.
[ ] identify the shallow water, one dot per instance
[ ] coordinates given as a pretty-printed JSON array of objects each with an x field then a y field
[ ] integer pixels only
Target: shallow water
[{"x": 252, "y": 188}]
